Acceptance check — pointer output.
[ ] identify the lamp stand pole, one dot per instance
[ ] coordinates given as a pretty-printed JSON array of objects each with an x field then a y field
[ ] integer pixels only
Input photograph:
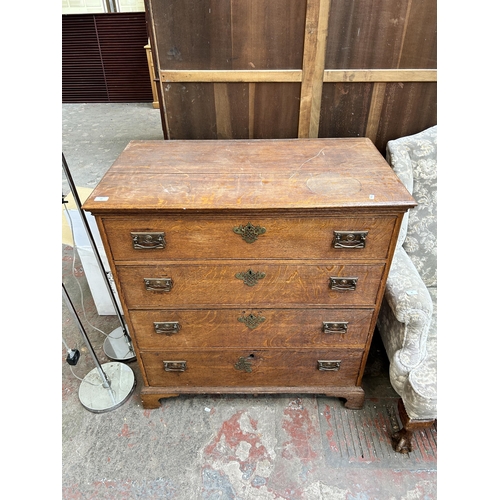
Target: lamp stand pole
[{"x": 118, "y": 344}]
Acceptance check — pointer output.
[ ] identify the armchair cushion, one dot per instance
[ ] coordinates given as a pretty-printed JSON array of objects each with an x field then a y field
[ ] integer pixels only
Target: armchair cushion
[
  {"x": 407, "y": 317},
  {"x": 414, "y": 160},
  {"x": 414, "y": 379},
  {"x": 411, "y": 306}
]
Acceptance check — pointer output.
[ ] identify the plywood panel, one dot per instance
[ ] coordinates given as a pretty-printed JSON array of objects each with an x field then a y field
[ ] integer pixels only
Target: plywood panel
[
  {"x": 192, "y": 34},
  {"x": 267, "y": 34},
  {"x": 365, "y": 34},
  {"x": 380, "y": 111},
  {"x": 232, "y": 110},
  {"x": 329, "y": 68},
  {"x": 344, "y": 109},
  {"x": 190, "y": 110},
  {"x": 408, "y": 108},
  {"x": 276, "y": 110},
  {"x": 419, "y": 49},
  {"x": 225, "y": 34}
]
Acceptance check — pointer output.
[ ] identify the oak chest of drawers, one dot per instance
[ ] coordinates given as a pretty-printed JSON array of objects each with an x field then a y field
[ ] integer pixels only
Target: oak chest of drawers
[{"x": 250, "y": 266}]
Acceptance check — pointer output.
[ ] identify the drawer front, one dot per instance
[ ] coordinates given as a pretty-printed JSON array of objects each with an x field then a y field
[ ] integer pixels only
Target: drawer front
[
  {"x": 256, "y": 368},
  {"x": 257, "y": 328},
  {"x": 256, "y": 284},
  {"x": 185, "y": 238}
]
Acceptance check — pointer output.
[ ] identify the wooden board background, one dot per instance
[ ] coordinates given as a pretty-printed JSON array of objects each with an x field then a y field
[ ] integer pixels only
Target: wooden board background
[{"x": 255, "y": 69}]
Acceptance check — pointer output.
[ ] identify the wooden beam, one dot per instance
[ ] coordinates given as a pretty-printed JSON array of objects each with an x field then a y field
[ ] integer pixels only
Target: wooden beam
[
  {"x": 222, "y": 111},
  {"x": 296, "y": 75},
  {"x": 313, "y": 66},
  {"x": 376, "y": 103},
  {"x": 379, "y": 75},
  {"x": 228, "y": 76},
  {"x": 251, "y": 110}
]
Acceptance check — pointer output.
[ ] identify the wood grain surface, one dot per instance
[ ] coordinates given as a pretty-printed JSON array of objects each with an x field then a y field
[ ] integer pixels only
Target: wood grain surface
[
  {"x": 279, "y": 328},
  {"x": 239, "y": 175},
  {"x": 269, "y": 367},
  {"x": 213, "y": 237},
  {"x": 215, "y": 283}
]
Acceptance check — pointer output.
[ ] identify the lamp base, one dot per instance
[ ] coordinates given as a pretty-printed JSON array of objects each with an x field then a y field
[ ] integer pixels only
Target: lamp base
[
  {"x": 98, "y": 399},
  {"x": 117, "y": 348}
]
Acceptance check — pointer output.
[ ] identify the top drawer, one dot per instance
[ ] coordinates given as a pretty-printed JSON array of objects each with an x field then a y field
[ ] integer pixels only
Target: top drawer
[{"x": 191, "y": 237}]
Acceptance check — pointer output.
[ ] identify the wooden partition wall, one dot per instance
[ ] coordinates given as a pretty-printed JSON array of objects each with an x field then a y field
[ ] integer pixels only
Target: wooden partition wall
[{"x": 294, "y": 68}]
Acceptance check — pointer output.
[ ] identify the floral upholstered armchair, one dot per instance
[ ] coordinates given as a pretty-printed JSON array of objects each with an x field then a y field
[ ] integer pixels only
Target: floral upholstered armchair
[{"x": 407, "y": 319}]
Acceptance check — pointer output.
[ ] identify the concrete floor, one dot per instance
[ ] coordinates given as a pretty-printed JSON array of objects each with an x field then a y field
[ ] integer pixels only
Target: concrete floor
[{"x": 215, "y": 447}]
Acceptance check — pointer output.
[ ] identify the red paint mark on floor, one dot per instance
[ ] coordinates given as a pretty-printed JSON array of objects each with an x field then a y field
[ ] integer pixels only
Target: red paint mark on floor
[
  {"x": 234, "y": 435},
  {"x": 299, "y": 427},
  {"x": 422, "y": 439},
  {"x": 234, "y": 444},
  {"x": 330, "y": 434},
  {"x": 125, "y": 432},
  {"x": 253, "y": 423},
  {"x": 71, "y": 493}
]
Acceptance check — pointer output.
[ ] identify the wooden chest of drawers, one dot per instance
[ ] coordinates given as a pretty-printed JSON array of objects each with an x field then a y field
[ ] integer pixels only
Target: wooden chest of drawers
[{"x": 250, "y": 266}]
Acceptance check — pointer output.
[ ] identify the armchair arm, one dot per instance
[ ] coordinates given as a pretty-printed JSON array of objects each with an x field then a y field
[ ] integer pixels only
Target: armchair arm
[{"x": 411, "y": 304}]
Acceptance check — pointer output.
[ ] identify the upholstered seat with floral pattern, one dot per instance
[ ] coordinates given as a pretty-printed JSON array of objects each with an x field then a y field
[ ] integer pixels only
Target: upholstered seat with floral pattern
[{"x": 407, "y": 319}]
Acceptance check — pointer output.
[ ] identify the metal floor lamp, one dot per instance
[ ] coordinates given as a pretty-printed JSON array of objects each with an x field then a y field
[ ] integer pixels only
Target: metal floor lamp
[
  {"x": 118, "y": 344},
  {"x": 107, "y": 386}
]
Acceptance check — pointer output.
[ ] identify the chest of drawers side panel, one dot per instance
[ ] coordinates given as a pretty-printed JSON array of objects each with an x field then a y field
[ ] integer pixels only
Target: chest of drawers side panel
[{"x": 380, "y": 295}]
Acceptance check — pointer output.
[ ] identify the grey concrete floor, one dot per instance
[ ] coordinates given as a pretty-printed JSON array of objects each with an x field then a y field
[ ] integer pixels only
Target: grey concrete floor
[
  {"x": 93, "y": 135},
  {"x": 208, "y": 446}
]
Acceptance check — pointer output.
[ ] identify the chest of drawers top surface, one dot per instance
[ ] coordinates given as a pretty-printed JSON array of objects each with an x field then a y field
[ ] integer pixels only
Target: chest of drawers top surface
[{"x": 289, "y": 174}]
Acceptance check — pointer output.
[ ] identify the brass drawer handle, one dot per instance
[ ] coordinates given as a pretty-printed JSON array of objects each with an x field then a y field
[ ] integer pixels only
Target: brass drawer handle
[
  {"x": 175, "y": 366},
  {"x": 167, "y": 327},
  {"x": 328, "y": 365},
  {"x": 252, "y": 321},
  {"x": 249, "y": 233},
  {"x": 338, "y": 327},
  {"x": 158, "y": 284},
  {"x": 349, "y": 239},
  {"x": 148, "y": 241},
  {"x": 340, "y": 283},
  {"x": 250, "y": 278}
]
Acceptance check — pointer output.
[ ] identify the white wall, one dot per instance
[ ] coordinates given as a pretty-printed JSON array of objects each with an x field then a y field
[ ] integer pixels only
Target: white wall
[{"x": 98, "y": 6}]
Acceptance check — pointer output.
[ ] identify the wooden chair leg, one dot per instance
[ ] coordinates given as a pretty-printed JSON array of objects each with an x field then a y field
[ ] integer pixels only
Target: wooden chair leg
[{"x": 401, "y": 440}]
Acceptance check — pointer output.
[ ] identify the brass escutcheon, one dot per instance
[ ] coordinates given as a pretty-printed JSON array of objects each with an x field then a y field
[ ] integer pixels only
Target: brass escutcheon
[
  {"x": 244, "y": 364},
  {"x": 252, "y": 321},
  {"x": 250, "y": 278},
  {"x": 249, "y": 233}
]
